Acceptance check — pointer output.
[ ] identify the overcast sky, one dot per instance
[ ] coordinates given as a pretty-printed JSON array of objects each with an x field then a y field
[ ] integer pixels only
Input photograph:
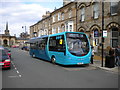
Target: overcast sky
[{"x": 20, "y": 13}]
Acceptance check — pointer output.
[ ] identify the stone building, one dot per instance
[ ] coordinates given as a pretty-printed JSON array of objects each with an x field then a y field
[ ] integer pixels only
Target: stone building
[
  {"x": 64, "y": 18},
  {"x": 6, "y": 39},
  {"x": 83, "y": 17},
  {"x": 23, "y": 39},
  {"x": 89, "y": 20},
  {"x": 42, "y": 27},
  {"x": 60, "y": 20}
]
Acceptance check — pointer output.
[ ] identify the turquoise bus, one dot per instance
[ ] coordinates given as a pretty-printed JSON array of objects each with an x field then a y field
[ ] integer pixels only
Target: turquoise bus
[{"x": 66, "y": 48}]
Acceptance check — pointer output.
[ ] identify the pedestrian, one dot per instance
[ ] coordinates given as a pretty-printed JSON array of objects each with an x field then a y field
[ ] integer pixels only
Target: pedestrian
[
  {"x": 92, "y": 54},
  {"x": 111, "y": 59},
  {"x": 117, "y": 55},
  {"x": 111, "y": 52}
]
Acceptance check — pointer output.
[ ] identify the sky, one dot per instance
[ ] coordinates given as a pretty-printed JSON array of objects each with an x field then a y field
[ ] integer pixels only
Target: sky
[{"x": 20, "y": 13}]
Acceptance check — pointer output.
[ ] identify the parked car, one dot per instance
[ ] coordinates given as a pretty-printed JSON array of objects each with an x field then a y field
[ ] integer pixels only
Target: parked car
[
  {"x": 14, "y": 46},
  {"x": 25, "y": 48},
  {"x": 4, "y": 60},
  {"x": 8, "y": 51}
]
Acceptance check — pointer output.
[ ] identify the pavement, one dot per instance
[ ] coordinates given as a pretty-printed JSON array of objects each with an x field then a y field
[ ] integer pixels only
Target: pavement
[{"x": 97, "y": 62}]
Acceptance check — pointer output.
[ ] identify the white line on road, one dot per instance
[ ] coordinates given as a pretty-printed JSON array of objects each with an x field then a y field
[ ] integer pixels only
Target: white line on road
[
  {"x": 19, "y": 75},
  {"x": 16, "y": 70},
  {"x": 12, "y": 76}
]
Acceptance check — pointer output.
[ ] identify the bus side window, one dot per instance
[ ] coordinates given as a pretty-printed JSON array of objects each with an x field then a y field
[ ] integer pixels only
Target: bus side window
[
  {"x": 32, "y": 45},
  {"x": 57, "y": 43},
  {"x": 43, "y": 43},
  {"x": 37, "y": 44},
  {"x": 61, "y": 44},
  {"x": 52, "y": 44}
]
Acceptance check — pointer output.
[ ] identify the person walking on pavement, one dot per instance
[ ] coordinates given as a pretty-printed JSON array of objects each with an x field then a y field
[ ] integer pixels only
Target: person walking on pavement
[
  {"x": 92, "y": 54},
  {"x": 117, "y": 56},
  {"x": 111, "y": 61},
  {"x": 111, "y": 52}
]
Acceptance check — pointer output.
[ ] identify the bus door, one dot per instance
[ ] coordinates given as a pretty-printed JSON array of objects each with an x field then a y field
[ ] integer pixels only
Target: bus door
[
  {"x": 42, "y": 48},
  {"x": 36, "y": 49},
  {"x": 57, "y": 47}
]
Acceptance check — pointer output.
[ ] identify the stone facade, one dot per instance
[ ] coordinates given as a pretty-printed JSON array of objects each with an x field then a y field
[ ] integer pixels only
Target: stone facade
[
  {"x": 64, "y": 18},
  {"x": 93, "y": 23},
  {"x": 6, "y": 39},
  {"x": 42, "y": 27},
  {"x": 83, "y": 17},
  {"x": 60, "y": 20}
]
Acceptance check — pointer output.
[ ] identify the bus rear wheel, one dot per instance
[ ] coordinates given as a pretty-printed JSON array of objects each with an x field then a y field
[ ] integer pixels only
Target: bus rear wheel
[{"x": 53, "y": 60}]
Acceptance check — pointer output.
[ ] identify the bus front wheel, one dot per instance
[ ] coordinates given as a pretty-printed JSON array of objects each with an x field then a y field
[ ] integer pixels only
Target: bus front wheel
[{"x": 53, "y": 60}]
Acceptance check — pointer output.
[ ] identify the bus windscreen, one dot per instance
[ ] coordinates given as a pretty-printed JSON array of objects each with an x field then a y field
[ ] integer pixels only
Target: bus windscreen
[{"x": 77, "y": 44}]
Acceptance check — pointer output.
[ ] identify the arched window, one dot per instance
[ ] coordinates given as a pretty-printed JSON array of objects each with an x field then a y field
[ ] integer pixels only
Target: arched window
[
  {"x": 96, "y": 33},
  {"x": 96, "y": 37},
  {"x": 114, "y": 35},
  {"x": 12, "y": 42},
  {"x": 5, "y": 42},
  {"x": 63, "y": 28},
  {"x": 82, "y": 16}
]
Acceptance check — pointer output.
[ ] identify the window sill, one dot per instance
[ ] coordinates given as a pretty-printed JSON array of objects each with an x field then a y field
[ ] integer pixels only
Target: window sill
[
  {"x": 115, "y": 14},
  {"x": 82, "y": 21}
]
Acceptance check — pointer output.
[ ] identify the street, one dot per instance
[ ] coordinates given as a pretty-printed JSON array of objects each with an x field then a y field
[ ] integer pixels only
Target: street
[{"x": 28, "y": 72}]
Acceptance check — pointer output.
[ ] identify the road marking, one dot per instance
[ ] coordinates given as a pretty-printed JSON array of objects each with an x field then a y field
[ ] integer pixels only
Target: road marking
[
  {"x": 16, "y": 71},
  {"x": 12, "y": 76},
  {"x": 19, "y": 75}
]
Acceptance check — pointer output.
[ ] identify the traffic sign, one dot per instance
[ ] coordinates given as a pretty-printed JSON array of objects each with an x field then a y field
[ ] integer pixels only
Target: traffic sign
[{"x": 105, "y": 33}]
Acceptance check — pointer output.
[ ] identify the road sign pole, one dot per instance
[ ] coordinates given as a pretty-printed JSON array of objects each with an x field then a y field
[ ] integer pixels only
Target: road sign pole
[{"x": 102, "y": 31}]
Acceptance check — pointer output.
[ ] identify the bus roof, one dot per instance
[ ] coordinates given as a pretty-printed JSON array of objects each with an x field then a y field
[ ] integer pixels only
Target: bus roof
[
  {"x": 54, "y": 35},
  {"x": 64, "y": 33}
]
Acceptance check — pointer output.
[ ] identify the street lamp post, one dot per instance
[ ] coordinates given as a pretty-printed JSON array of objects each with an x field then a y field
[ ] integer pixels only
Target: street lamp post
[
  {"x": 25, "y": 31},
  {"x": 24, "y": 27},
  {"x": 102, "y": 38}
]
